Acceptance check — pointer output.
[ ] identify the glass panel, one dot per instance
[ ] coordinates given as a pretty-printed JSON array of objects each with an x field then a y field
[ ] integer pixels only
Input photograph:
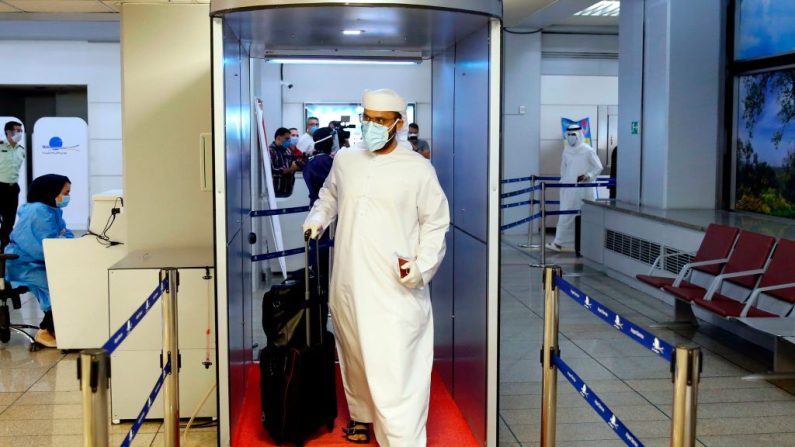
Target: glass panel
[
  {"x": 764, "y": 28},
  {"x": 328, "y": 112},
  {"x": 765, "y": 177}
]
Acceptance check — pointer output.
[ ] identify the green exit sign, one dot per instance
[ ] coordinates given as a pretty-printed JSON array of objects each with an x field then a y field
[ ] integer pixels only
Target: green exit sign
[{"x": 634, "y": 128}]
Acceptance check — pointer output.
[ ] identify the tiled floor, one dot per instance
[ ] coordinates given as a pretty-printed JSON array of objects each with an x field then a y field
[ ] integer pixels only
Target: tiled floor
[
  {"x": 40, "y": 398},
  {"x": 40, "y": 402},
  {"x": 634, "y": 382}
]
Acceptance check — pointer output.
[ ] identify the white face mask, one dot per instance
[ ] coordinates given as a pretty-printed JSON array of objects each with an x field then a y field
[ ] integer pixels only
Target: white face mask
[
  {"x": 18, "y": 137},
  {"x": 572, "y": 139},
  {"x": 376, "y": 136}
]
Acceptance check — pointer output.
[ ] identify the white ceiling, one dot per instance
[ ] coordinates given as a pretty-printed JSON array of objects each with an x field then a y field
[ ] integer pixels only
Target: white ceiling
[
  {"x": 75, "y": 6},
  {"x": 527, "y": 14}
]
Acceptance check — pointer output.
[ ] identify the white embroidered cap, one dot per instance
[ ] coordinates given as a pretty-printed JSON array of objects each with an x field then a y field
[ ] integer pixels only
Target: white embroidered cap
[{"x": 383, "y": 100}]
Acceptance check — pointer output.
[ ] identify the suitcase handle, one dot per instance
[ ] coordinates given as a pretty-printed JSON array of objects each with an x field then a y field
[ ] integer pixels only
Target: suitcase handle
[{"x": 307, "y": 294}]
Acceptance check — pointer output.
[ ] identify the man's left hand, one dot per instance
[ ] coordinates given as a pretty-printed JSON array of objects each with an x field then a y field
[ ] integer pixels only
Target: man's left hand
[{"x": 414, "y": 278}]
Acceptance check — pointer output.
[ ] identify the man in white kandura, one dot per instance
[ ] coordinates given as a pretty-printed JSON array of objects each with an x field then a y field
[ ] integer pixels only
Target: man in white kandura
[
  {"x": 388, "y": 204},
  {"x": 578, "y": 164}
]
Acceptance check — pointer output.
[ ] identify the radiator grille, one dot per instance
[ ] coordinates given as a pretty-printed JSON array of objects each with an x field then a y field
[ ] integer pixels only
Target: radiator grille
[
  {"x": 632, "y": 247},
  {"x": 675, "y": 263}
]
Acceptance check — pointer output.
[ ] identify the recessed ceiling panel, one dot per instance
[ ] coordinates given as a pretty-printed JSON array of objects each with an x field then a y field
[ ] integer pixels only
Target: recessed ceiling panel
[
  {"x": 55, "y": 6},
  {"x": 386, "y": 31}
]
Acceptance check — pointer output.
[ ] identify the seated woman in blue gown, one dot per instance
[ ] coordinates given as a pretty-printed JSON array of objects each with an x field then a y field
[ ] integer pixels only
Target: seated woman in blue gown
[{"x": 41, "y": 218}]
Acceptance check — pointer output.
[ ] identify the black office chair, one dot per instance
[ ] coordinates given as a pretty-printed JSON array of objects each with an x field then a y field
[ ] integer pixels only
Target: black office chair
[{"x": 8, "y": 293}]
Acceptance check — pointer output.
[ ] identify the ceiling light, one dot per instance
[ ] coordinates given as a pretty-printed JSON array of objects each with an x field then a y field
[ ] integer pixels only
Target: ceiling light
[
  {"x": 339, "y": 61},
  {"x": 604, "y": 8},
  {"x": 352, "y": 32}
]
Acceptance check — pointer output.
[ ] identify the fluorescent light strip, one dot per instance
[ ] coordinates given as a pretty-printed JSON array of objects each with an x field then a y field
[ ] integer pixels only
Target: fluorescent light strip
[
  {"x": 352, "y": 32},
  {"x": 342, "y": 61},
  {"x": 604, "y": 8}
]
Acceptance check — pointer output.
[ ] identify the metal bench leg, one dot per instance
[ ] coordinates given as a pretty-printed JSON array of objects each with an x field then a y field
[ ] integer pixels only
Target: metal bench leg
[
  {"x": 683, "y": 317},
  {"x": 783, "y": 363}
]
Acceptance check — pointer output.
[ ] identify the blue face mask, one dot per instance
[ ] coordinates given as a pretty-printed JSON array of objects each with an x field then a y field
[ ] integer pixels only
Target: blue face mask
[
  {"x": 376, "y": 136},
  {"x": 63, "y": 203},
  {"x": 312, "y": 130},
  {"x": 286, "y": 143},
  {"x": 294, "y": 141}
]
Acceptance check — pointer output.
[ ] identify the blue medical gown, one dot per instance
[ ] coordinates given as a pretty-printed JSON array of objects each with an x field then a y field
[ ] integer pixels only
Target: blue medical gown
[{"x": 35, "y": 222}]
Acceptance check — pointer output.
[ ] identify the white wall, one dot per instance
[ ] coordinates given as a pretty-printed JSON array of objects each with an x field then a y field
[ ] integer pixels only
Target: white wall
[
  {"x": 574, "y": 97},
  {"x": 95, "y": 65},
  {"x": 521, "y": 115},
  {"x": 345, "y": 83},
  {"x": 678, "y": 102},
  {"x": 167, "y": 100}
]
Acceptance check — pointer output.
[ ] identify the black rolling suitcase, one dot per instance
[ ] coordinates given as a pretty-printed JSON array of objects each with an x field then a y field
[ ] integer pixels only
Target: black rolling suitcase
[{"x": 297, "y": 371}]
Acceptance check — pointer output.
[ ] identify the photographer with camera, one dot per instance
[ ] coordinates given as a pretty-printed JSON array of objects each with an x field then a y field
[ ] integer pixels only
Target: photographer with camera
[{"x": 420, "y": 146}]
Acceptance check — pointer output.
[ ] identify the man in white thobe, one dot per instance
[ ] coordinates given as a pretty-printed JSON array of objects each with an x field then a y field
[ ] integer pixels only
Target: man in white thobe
[
  {"x": 579, "y": 163},
  {"x": 388, "y": 204}
]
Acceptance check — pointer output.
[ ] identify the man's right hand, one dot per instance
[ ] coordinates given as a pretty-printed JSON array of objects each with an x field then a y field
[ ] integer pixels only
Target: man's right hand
[{"x": 313, "y": 229}]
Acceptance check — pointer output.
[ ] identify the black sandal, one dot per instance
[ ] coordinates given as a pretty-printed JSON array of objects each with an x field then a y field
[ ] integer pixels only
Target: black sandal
[{"x": 357, "y": 432}]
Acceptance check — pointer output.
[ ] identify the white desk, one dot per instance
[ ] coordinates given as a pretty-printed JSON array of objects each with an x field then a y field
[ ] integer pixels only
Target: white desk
[{"x": 77, "y": 274}]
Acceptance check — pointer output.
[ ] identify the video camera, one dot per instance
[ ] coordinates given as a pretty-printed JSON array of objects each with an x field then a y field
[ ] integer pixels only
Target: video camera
[{"x": 340, "y": 126}]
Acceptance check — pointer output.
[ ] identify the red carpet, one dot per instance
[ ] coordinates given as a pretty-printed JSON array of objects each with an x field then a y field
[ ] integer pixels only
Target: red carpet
[{"x": 446, "y": 424}]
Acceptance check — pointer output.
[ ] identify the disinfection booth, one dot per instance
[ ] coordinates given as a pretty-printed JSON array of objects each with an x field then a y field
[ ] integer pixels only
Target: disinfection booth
[{"x": 461, "y": 40}]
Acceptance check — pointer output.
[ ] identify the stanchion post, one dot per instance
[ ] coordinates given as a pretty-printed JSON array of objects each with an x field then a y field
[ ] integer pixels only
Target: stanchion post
[
  {"x": 93, "y": 372},
  {"x": 543, "y": 248},
  {"x": 686, "y": 375},
  {"x": 171, "y": 354},
  {"x": 531, "y": 224},
  {"x": 549, "y": 387}
]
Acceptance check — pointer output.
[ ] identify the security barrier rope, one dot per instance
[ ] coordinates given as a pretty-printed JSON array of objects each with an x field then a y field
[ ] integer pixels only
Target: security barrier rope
[
  {"x": 121, "y": 334},
  {"x": 628, "y": 328},
  {"x": 596, "y": 403},
  {"x": 280, "y": 211},
  {"x": 291, "y": 252},
  {"x": 128, "y": 439}
]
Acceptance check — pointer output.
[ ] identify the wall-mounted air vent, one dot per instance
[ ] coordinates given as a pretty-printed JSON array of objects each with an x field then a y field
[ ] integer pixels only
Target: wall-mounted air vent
[
  {"x": 675, "y": 263},
  {"x": 632, "y": 247}
]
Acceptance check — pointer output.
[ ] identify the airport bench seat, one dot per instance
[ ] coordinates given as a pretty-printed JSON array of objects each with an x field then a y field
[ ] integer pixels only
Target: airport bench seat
[
  {"x": 712, "y": 254},
  {"x": 745, "y": 264},
  {"x": 774, "y": 296}
]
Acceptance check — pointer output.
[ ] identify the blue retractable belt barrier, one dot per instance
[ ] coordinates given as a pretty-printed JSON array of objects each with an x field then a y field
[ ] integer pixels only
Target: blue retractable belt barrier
[
  {"x": 291, "y": 252},
  {"x": 548, "y": 179},
  {"x": 516, "y": 180},
  {"x": 562, "y": 212},
  {"x": 520, "y": 192},
  {"x": 630, "y": 329},
  {"x": 280, "y": 211},
  {"x": 516, "y": 224},
  {"x": 514, "y": 205},
  {"x": 576, "y": 185},
  {"x": 147, "y": 406},
  {"x": 121, "y": 334},
  {"x": 597, "y": 404}
]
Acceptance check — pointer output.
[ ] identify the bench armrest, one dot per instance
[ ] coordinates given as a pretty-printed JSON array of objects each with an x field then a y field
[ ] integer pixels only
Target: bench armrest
[
  {"x": 717, "y": 281},
  {"x": 687, "y": 267},
  {"x": 760, "y": 290},
  {"x": 669, "y": 255}
]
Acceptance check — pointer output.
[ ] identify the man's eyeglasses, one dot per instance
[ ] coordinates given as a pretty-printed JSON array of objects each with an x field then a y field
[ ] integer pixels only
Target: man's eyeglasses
[{"x": 364, "y": 118}]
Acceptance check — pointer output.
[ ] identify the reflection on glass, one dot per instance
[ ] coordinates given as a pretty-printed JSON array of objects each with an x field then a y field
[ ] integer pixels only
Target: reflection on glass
[
  {"x": 764, "y": 28},
  {"x": 765, "y": 177}
]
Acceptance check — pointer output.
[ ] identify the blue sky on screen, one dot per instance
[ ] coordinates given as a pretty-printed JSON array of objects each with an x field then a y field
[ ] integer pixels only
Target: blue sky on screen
[
  {"x": 766, "y": 28},
  {"x": 767, "y": 124}
]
